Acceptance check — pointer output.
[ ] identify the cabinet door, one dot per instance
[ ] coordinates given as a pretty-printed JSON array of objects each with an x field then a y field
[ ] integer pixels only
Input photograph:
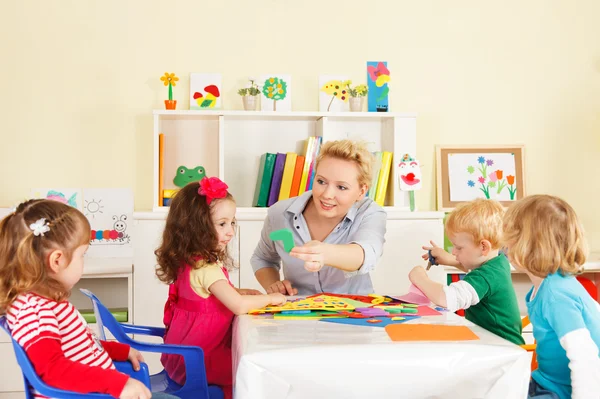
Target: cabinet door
[
  {"x": 249, "y": 236},
  {"x": 402, "y": 251},
  {"x": 149, "y": 293}
]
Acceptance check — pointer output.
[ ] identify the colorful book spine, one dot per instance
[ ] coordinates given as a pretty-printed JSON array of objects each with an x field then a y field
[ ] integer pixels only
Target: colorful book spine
[
  {"x": 294, "y": 190},
  {"x": 384, "y": 176},
  {"x": 310, "y": 142},
  {"x": 263, "y": 182},
  {"x": 276, "y": 180},
  {"x": 313, "y": 164},
  {"x": 161, "y": 166},
  {"x": 375, "y": 176},
  {"x": 288, "y": 176}
]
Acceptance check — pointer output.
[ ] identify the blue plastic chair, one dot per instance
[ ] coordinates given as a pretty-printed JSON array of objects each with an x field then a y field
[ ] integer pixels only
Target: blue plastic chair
[
  {"x": 32, "y": 380},
  {"x": 195, "y": 386}
]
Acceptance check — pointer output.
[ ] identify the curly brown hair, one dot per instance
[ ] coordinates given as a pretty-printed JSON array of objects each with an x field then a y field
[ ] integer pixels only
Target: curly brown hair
[
  {"x": 189, "y": 234},
  {"x": 23, "y": 265}
]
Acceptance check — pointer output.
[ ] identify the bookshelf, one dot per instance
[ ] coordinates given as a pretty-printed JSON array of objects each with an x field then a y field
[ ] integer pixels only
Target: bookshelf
[{"x": 229, "y": 144}]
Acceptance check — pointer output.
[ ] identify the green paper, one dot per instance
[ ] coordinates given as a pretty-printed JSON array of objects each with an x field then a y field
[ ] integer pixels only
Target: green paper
[
  {"x": 184, "y": 176},
  {"x": 170, "y": 91},
  {"x": 284, "y": 235},
  {"x": 119, "y": 313},
  {"x": 411, "y": 197}
]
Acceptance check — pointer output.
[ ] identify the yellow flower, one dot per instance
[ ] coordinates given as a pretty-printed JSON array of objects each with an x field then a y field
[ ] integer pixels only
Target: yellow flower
[
  {"x": 169, "y": 78},
  {"x": 381, "y": 80},
  {"x": 346, "y": 83}
]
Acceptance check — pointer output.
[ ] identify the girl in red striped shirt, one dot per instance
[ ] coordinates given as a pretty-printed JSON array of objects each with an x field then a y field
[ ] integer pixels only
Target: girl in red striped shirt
[{"x": 42, "y": 245}]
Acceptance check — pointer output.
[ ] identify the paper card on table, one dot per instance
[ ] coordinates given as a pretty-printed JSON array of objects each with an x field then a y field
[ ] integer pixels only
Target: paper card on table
[
  {"x": 415, "y": 296},
  {"x": 429, "y": 332},
  {"x": 427, "y": 311},
  {"x": 385, "y": 321}
]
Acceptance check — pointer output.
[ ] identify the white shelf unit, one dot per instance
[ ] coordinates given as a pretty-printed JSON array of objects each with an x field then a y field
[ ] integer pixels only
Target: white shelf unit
[{"x": 229, "y": 144}]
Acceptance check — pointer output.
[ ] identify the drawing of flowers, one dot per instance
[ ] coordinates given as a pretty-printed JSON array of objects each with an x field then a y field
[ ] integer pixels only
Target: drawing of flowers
[
  {"x": 511, "y": 190},
  {"x": 471, "y": 183}
]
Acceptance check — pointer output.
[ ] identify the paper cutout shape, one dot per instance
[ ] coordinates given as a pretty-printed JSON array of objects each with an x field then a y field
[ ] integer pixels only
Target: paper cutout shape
[
  {"x": 409, "y": 175},
  {"x": 275, "y": 89},
  {"x": 378, "y": 76},
  {"x": 333, "y": 94},
  {"x": 183, "y": 176},
  {"x": 205, "y": 91},
  {"x": 322, "y": 302},
  {"x": 285, "y": 235},
  {"x": 429, "y": 332},
  {"x": 415, "y": 296},
  {"x": 427, "y": 311},
  {"x": 365, "y": 322},
  {"x": 279, "y": 101}
]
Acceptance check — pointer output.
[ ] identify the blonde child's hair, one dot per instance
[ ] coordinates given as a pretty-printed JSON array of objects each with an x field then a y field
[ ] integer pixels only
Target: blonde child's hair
[
  {"x": 23, "y": 255},
  {"x": 352, "y": 151},
  {"x": 481, "y": 218},
  {"x": 543, "y": 235}
]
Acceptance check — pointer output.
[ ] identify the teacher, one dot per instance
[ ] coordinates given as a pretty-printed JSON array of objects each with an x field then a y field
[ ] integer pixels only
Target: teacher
[{"x": 338, "y": 233}]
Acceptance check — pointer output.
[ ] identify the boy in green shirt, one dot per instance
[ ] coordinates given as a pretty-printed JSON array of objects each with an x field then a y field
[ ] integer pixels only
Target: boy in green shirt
[{"x": 486, "y": 293}]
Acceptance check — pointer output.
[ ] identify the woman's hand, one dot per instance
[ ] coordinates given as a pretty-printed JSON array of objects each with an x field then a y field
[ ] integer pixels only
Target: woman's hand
[
  {"x": 248, "y": 291},
  {"x": 312, "y": 253},
  {"x": 282, "y": 287}
]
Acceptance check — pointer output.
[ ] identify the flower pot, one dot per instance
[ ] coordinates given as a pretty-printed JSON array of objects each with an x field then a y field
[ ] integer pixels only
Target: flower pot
[
  {"x": 250, "y": 103},
  {"x": 170, "y": 104},
  {"x": 356, "y": 104}
]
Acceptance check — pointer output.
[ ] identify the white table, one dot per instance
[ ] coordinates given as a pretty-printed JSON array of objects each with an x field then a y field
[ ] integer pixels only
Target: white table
[{"x": 293, "y": 359}]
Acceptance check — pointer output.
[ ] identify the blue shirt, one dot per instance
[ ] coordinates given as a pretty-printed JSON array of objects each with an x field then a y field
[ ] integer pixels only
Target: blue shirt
[
  {"x": 364, "y": 224},
  {"x": 560, "y": 306}
]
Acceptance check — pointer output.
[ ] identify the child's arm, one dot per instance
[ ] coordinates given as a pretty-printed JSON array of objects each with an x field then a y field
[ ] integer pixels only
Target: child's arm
[
  {"x": 459, "y": 295},
  {"x": 565, "y": 316},
  {"x": 242, "y": 304},
  {"x": 441, "y": 256}
]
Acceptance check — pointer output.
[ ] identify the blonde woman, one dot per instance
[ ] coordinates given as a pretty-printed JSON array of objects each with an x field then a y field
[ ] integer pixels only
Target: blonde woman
[{"x": 338, "y": 233}]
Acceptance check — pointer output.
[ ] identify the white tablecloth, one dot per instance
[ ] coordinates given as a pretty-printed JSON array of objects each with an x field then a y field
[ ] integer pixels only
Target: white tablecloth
[{"x": 293, "y": 359}]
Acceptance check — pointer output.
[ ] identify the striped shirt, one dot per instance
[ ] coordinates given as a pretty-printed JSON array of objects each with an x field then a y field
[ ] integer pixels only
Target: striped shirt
[{"x": 34, "y": 320}]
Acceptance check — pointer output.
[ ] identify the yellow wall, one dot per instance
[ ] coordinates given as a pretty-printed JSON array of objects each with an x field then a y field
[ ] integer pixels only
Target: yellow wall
[{"x": 79, "y": 80}]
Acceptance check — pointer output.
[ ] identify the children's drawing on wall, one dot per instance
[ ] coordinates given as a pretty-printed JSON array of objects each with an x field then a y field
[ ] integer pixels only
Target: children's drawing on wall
[
  {"x": 485, "y": 175},
  {"x": 277, "y": 93},
  {"x": 69, "y": 196},
  {"x": 110, "y": 213},
  {"x": 409, "y": 177},
  {"x": 378, "y": 76},
  {"x": 205, "y": 91},
  {"x": 333, "y": 93}
]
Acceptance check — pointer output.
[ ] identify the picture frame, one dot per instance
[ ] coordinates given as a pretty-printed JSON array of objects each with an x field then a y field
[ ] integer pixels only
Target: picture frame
[{"x": 480, "y": 171}]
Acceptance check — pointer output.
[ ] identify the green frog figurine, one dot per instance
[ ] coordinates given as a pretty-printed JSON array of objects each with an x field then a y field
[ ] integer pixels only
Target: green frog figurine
[{"x": 185, "y": 175}]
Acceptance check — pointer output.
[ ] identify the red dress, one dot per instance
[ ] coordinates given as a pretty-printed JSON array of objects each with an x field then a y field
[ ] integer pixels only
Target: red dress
[{"x": 204, "y": 322}]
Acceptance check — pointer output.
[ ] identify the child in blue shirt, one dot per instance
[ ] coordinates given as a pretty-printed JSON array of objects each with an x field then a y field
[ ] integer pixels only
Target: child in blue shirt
[{"x": 544, "y": 238}]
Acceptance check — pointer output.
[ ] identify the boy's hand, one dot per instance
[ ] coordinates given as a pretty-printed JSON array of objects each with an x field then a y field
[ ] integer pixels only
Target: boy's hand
[
  {"x": 417, "y": 274},
  {"x": 135, "y": 357},
  {"x": 441, "y": 257},
  {"x": 277, "y": 299},
  {"x": 135, "y": 390},
  {"x": 248, "y": 291}
]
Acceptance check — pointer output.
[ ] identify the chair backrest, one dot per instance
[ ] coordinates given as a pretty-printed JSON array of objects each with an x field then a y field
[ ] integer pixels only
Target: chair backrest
[
  {"x": 106, "y": 319},
  {"x": 31, "y": 378}
]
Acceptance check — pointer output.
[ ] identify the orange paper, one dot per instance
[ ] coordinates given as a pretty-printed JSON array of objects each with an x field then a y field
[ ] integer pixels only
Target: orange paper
[{"x": 429, "y": 332}]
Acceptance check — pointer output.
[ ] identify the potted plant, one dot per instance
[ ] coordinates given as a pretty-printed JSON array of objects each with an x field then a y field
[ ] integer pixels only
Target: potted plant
[
  {"x": 357, "y": 96},
  {"x": 169, "y": 79},
  {"x": 250, "y": 95}
]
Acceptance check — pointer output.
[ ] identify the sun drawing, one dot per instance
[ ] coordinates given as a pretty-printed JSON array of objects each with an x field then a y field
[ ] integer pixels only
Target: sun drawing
[{"x": 93, "y": 207}]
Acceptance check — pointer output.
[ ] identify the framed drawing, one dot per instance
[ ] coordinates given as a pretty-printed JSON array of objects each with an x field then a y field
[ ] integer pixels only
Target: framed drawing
[{"x": 465, "y": 173}]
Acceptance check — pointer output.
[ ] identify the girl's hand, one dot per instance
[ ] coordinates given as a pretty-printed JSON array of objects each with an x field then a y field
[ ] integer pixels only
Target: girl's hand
[
  {"x": 277, "y": 299},
  {"x": 135, "y": 357},
  {"x": 312, "y": 254},
  {"x": 248, "y": 291},
  {"x": 283, "y": 287},
  {"x": 135, "y": 390}
]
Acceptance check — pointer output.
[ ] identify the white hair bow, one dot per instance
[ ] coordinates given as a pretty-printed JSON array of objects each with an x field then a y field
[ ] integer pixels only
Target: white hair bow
[{"x": 39, "y": 227}]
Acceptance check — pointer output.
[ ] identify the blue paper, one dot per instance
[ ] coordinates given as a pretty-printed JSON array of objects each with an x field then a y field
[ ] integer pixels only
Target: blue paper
[{"x": 363, "y": 322}]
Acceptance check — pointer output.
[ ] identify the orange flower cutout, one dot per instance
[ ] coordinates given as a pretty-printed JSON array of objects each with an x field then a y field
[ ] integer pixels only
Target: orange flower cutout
[
  {"x": 169, "y": 78},
  {"x": 510, "y": 179},
  {"x": 499, "y": 174}
]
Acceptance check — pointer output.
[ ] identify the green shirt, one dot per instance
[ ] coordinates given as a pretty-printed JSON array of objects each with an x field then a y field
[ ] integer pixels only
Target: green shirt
[{"x": 497, "y": 310}]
